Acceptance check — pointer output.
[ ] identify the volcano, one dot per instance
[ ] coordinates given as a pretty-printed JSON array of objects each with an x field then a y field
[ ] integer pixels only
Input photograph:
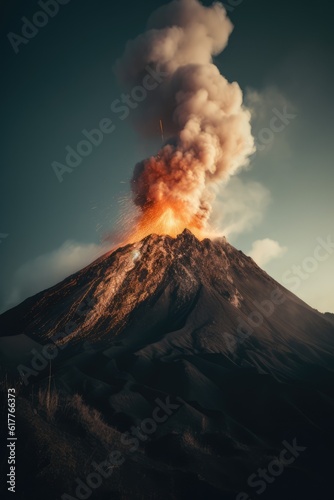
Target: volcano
[{"x": 242, "y": 368}]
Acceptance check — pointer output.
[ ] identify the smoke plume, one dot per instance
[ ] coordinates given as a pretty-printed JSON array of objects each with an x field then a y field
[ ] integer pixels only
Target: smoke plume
[{"x": 207, "y": 128}]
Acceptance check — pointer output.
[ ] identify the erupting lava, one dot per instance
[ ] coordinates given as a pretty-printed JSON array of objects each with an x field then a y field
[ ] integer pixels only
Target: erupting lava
[{"x": 165, "y": 220}]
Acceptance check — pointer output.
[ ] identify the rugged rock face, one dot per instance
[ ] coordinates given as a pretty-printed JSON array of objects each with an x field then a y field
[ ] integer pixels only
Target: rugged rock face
[{"x": 249, "y": 364}]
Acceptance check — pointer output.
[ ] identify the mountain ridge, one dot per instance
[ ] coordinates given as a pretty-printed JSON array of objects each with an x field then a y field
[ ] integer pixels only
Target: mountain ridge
[{"x": 149, "y": 290}]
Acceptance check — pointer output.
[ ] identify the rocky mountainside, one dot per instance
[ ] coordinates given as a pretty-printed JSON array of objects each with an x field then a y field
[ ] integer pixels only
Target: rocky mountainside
[
  {"x": 246, "y": 364},
  {"x": 180, "y": 295}
]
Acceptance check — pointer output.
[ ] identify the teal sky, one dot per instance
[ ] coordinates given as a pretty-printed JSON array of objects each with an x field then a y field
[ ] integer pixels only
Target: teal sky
[{"x": 62, "y": 82}]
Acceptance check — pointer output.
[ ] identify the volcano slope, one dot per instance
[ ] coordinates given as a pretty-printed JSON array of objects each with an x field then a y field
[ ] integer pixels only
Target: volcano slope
[{"x": 186, "y": 360}]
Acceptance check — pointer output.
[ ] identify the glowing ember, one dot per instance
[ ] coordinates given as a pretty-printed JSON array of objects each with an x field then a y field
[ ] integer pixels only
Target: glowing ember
[{"x": 165, "y": 220}]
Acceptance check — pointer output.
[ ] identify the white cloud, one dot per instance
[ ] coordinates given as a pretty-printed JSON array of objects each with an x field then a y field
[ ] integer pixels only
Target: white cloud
[
  {"x": 240, "y": 206},
  {"x": 51, "y": 268},
  {"x": 263, "y": 251}
]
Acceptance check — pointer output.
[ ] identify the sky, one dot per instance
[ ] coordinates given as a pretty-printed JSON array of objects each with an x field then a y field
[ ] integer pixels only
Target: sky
[{"x": 61, "y": 81}]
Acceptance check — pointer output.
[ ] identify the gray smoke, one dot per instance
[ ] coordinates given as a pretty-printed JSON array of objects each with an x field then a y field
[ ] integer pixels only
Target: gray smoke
[{"x": 208, "y": 129}]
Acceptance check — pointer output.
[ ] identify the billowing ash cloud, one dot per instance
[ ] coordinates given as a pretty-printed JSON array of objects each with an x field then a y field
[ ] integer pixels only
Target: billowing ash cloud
[{"x": 208, "y": 129}]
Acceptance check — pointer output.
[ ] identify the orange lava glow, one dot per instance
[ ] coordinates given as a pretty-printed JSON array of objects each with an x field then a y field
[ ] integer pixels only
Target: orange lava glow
[{"x": 165, "y": 220}]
